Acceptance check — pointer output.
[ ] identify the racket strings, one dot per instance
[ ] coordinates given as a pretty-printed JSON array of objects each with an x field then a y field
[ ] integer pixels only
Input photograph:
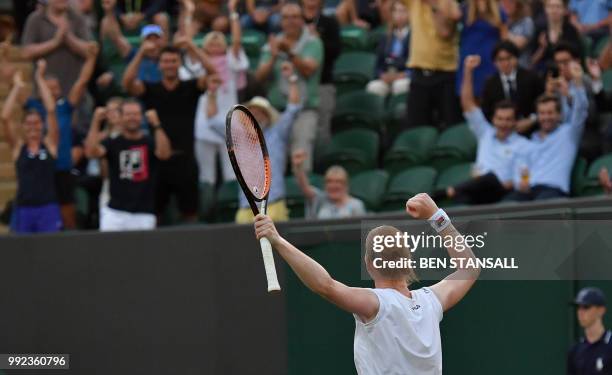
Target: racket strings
[{"x": 253, "y": 164}]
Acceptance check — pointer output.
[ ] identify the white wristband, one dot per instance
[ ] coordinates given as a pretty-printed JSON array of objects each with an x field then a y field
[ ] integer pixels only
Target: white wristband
[{"x": 439, "y": 221}]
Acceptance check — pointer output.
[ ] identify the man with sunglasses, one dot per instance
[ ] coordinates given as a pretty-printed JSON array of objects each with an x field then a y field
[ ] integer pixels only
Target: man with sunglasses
[{"x": 593, "y": 353}]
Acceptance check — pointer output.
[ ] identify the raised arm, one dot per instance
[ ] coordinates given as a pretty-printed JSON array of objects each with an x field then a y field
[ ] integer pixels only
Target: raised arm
[
  {"x": 163, "y": 150},
  {"x": 130, "y": 81},
  {"x": 454, "y": 287},
  {"x": 235, "y": 28},
  {"x": 7, "y": 110},
  {"x": 52, "y": 138},
  {"x": 93, "y": 146},
  {"x": 446, "y": 14},
  {"x": 580, "y": 102},
  {"x": 79, "y": 87},
  {"x": 267, "y": 62},
  {"x": 361, "y": 302},
  {"x": 468, "y": 102},
  {"x": 110, "y": 28},
  {"x": 297, "y": 162},
  {"x": 306, "y": 65}
]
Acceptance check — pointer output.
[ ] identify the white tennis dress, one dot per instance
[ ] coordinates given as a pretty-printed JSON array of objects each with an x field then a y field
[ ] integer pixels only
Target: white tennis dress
[{"x": 403, "y": 338}]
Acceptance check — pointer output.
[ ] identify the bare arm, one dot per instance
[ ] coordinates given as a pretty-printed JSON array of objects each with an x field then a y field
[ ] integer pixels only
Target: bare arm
[
  {"x": 297, "y": 161},
  {"x": 361, "y": 302},
  {"x": 52, "y": 138},
  {"x": 79, "y": 87},
  {"x": 446, "y": 14},
  {"x": 76, "y": 44},
  {"x": 235, "y": 29},
  {"x": 306, "y": 66},
  {"x": 93, "y": 148},
  {"x": 33, "y": 51},
  {"x": 163, "y": 150},
  {"x": 454, "y": 287},
  {"x": 7, "y": 110},
  {"x": 130, "y": 82},
  {"x": 265, "y": 68}
]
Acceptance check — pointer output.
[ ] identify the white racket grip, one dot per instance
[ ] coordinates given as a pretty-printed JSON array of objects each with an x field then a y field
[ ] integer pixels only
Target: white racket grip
[{"x": 268, "y": 259}]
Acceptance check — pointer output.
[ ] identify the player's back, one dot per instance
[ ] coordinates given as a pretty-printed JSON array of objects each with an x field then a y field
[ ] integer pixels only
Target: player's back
[{"x": 403, "y": 338}]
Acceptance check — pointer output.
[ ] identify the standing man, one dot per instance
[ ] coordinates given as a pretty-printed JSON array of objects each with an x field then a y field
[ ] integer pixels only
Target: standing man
[
  {"x": 175, "y": 101},
  {"x": 132, "y": 166},
  {"x": 59, "y": 35},
  {"x": 328, "y": 30},
  {"x": 397, "y": 327},
  {"x": 593, "y": 353},
  {"x": 304, "y": 51},
  {"x": 434, "y": 52}
]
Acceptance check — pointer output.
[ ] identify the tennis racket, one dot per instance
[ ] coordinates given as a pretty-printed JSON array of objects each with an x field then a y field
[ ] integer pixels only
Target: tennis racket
[{"x": 248, "y": 153}]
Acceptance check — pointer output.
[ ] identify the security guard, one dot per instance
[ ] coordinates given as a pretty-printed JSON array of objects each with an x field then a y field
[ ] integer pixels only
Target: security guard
[{"x": 593, "y": 353}]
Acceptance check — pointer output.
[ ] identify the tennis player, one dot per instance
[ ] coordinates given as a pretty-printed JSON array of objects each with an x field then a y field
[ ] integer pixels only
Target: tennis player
[{"x": 396, "y": 329}]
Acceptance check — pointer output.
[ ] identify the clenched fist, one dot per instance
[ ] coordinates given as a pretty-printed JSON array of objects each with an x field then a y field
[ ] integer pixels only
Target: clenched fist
[{"x": 421, "y": 206}]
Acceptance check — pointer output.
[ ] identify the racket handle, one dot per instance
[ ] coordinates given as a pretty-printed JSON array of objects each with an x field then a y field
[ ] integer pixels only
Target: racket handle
[{"x": 268, "y": 259}]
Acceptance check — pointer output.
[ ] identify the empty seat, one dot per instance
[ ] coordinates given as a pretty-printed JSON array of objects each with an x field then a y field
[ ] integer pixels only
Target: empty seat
[
  {"x": 353, "y": 70},
  {"x": 358, "y": 109},
  {"x": 227, "y": 202},
  {"x": 406, "y": 184},
  {"x": 370, "y": 187},
  {"x": 356, "y": 150},
  {"x": 412, "y": 147},
  {"x": 455, "y": 145},
  {"x": 354, "y": 38}
]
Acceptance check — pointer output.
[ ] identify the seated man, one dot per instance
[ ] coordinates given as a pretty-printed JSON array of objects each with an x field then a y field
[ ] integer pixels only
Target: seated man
[
  {"x": 514, "y": 83},
  {"x": 276, "y": 129},
  {"x": 132, "y": 167},
  {"x": 498, "y": 146},
  {"x": 545, "y": 166},
  {"x": 335, "y": 202}
]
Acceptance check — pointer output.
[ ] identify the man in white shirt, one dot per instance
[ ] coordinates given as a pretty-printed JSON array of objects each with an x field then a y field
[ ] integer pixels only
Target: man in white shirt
[{"x": 397, "y": 329}]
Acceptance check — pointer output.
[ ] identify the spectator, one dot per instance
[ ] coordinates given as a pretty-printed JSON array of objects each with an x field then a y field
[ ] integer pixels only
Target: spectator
[
  {"x": 335, "y": 202},
  {"x": 65, "y": 181},
  {"x": 147, "y": 56},
  {"x": 605, "y": 181},
  {"x": 554, "y": 30},
  {"x": 498, "y": 146},
  {"x": 34, "y": 156},
  {"x": 60, "y": 35},
  {"x": 591, "y": 355},
  {"x": 392, "y": 54},
  {"x": 433, "y": 60},
  {"x": 86, "y": 8},
  {"x": 132, "y": 165},
  {"x": 175, "y": 101},
  {"x": 305, "y": 51},
  {"x": 483, "y": 27},
  {"x": 591, "y": 18},
  {"x": 231, "y": 65},
  {"x": 545, "y": 166},
  {"x": 133, "y": 14},
  {"x": 367, "y": 14},
  {"x": 520, "y": 27},
  {"x": 113, "y": 130},
  {"x": 263, "y": 15},
  {"x": 276, "y": 129},
  {"x": 203, "y": 15},
  {"x": 512, "y": 82},
  {"x": 327, "y": 29}
]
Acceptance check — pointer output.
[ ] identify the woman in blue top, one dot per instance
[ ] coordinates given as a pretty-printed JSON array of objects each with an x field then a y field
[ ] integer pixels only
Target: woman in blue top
[
  {"x": 35, "y": 156},
  {"x": 483, "y": 26}
]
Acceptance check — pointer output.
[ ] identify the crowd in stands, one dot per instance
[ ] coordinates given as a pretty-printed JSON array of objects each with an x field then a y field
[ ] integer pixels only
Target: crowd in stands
[{"x": 127, "y": 114}]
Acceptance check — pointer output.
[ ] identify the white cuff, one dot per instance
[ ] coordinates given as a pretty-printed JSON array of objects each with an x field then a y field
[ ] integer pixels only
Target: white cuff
[{"x": 439, "y": 221}]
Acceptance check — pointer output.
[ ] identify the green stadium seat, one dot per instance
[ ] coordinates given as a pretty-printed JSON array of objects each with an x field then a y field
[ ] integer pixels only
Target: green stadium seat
[
  {"x": 81, "y": 197},
  {"x": 607, "y": 80},
  {"x": 356, "y": 150},
  {"x": 375, "y": 36},
  {"x": 252, "y": 41},
  {"x": 454, "y": 175},
  {"x": 456, "y": 145},
  {"x": 396, "y": 114},
  {"x": 590, "y": 185},
  {"x": 406, "y": 184},
  {"x": 600, "y": 45},
  {"x": 412, "y": 147},
  {"x": 354, "y": 38},
  {"x": 578, "y": 175},
  {"x": 353, "y": 70},
  {"x": 370, "y": 187},
  {"x": 587, "y": 45},
  {"x": 207, "y": 201},
  {"x": 227, "y": 202},
  {"x": 295, "y": 197},
  {"x": 358, "y": 109}
]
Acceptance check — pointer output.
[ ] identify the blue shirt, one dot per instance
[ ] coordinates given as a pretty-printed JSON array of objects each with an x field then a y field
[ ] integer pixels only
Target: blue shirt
[
  {"x": 550, "y": 158},
  {"x": 148, "y": 71},
  {"x": 590, "y": 12},
  {"x": 63, "y": 112},
  {"x": 494, "y": 155},
  {"x": 277, "y": 139}
]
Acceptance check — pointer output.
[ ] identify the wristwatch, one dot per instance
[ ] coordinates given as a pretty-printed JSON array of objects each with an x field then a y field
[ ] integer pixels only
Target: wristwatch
[
  {"x": 234, "y": 16},
  {"x": 293, "y": 78}
]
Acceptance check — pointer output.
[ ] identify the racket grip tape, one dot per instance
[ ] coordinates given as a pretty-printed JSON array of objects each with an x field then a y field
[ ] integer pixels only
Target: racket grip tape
[{"x": 268, "y": 259}]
